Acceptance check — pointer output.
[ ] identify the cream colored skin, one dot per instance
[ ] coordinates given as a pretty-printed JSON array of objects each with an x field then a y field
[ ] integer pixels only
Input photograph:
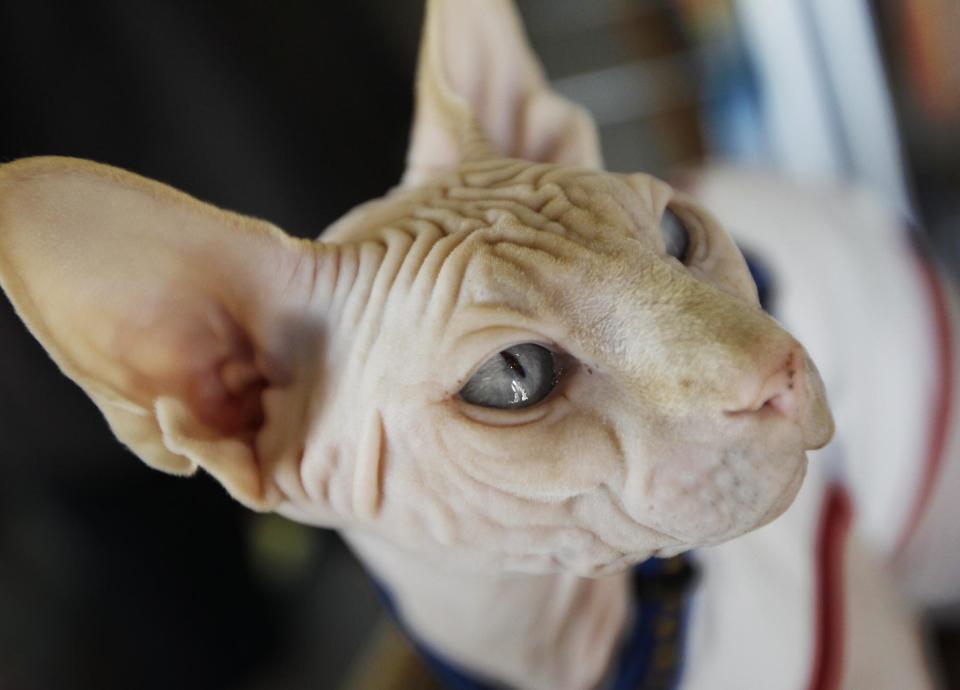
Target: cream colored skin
[{"x": 320, "y": 379}]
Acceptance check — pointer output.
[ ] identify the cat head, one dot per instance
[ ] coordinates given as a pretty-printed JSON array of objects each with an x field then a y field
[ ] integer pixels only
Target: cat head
[{"x": 514, "y": 359}]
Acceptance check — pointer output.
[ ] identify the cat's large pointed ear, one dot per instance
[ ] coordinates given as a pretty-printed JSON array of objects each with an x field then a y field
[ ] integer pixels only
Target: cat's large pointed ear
[
  {"x": 481, "y": 92},
  {"x": 182, "y": 322}
]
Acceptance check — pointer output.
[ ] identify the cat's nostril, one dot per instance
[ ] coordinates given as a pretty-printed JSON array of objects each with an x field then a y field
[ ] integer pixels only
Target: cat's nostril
[{"x": 781, "y": 392}]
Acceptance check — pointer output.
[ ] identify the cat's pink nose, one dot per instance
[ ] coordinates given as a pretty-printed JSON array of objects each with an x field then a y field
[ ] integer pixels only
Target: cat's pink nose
[{"x": 781, "y": 390}]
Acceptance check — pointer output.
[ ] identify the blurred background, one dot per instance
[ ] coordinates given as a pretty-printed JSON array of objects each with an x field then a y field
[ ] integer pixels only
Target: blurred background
[{"x": 114, "y": 576}]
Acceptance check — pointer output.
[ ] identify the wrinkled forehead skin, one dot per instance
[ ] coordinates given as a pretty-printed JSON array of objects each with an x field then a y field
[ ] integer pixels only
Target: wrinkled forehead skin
[{"x": 634, "y": 453}]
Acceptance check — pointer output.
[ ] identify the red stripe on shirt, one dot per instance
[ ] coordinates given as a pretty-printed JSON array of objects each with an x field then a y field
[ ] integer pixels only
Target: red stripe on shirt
[
  {"x": 831, "y": 539},
  {"x": 942, "y": 402}
]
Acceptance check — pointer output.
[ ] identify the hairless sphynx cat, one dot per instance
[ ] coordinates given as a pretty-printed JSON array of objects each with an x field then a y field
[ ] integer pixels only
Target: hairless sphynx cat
[{"x": 521, "y": 387}]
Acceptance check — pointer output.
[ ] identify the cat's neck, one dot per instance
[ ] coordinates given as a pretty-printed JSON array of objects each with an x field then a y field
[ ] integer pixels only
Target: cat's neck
[{"x": 528, "y": 631}]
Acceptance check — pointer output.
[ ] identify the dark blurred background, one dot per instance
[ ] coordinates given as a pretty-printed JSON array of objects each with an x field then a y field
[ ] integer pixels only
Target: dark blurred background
[{"x": 114, "y": 576}]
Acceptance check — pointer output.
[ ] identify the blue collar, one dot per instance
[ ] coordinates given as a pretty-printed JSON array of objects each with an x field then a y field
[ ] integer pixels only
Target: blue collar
[{"x": 651, "y": 655}]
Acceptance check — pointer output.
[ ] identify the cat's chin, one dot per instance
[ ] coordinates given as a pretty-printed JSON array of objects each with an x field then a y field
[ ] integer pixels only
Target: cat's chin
[
  {"x": 780, "y": 504},
  {"x": 781, "y": 501}
]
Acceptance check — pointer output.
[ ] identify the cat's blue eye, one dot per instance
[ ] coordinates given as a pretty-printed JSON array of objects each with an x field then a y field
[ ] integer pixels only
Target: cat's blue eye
[
  {"x": 676, "y": 237},
  {"x": 517, "y": 377}
]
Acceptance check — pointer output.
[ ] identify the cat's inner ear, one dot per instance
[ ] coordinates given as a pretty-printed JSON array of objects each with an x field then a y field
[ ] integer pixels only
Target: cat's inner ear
[
  {"x": 482, "y": 93},
  {"x": 178, "y": 319}
]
